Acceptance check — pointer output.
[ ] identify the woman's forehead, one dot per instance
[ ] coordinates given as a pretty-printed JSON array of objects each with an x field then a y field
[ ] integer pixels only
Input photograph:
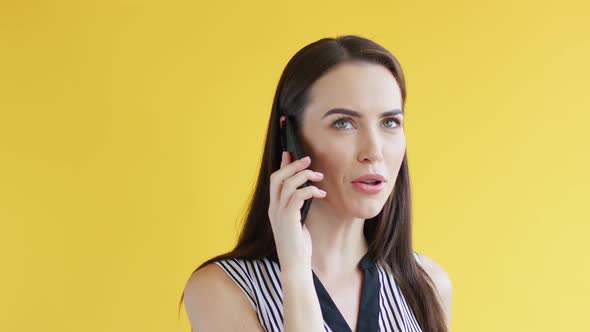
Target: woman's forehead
[{"x": 362, "y": 87}]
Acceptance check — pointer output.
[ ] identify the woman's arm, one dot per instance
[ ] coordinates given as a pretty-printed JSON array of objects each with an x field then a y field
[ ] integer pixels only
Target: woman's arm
[
  {"x": 302, "y": 310},
  {"x": 215, "y": 303}
]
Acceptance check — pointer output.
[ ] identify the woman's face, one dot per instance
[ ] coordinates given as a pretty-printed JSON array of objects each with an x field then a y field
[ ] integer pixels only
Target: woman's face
[{"x": 347, "y": 146}]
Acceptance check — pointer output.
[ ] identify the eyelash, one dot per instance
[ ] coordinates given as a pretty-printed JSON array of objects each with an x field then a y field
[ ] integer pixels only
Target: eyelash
[{"x": 398, "y": 122}]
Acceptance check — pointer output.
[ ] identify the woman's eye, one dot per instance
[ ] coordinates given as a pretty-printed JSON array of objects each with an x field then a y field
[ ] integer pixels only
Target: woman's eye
[
  {"x": 393, "y": 123},
  {"x": 394, "y": 120},
  {"x": 341, "y": 120}
]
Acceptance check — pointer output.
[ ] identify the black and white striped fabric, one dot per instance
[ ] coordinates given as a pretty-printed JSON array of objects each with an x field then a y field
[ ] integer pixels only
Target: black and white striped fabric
[{"x": 383, "y": 306}]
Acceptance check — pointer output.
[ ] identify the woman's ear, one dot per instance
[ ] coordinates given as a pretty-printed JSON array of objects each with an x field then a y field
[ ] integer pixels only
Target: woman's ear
[{"x": 281, "y": 121}]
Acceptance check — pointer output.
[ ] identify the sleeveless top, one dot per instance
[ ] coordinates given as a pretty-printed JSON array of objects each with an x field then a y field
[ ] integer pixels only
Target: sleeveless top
[{"x": 382, "y": 307}]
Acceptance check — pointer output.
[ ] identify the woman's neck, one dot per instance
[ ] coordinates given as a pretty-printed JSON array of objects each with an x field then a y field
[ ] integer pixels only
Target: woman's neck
[{"x": 338, "y": 242}]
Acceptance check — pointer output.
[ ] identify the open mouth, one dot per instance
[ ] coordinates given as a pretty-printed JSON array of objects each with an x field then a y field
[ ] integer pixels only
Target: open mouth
[
  {"x": 371, "y": 183},
  {"x": 369, "y": 187}
]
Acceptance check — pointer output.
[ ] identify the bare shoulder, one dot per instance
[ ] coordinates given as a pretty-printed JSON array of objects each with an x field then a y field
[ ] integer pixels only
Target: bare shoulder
[
  {"x": 214, "y": 302},
  {"x": 441, "y": 280}
]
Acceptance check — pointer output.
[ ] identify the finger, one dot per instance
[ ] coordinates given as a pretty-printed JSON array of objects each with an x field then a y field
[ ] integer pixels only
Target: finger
[
  {"x": 300, "y": 195},
  {"x": 291, "y": 184},
  {"x": 285, "y": 172},
  {"x": 275, "y": 187}
]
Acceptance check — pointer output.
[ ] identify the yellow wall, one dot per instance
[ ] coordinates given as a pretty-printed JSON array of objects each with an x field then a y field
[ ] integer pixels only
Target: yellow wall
[{"x": 131, "y": 133}]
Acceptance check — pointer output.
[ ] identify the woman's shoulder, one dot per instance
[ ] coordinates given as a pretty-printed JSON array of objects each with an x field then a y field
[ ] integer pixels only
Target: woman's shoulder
[
  {"x": 417, "y": 257},
  {"x": 210, "y": 294},
  {"x": 208, "y": 280},
  {"x": 246, "y": 266},
  {"x": 227, "y": 276},
  {"x": 250, "y": 274},
  {"x": 441, "y": 280},
  {"x": 434, "y": 270}
]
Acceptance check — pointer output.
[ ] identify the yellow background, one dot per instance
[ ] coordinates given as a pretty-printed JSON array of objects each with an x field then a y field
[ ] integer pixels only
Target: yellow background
[{"x": 131, "y": 133}]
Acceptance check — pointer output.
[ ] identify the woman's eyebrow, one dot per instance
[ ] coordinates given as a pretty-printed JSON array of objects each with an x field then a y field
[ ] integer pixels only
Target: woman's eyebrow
[{"x": 357, "y": 114}]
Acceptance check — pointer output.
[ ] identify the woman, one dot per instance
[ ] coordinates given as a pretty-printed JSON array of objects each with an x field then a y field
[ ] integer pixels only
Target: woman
[{"x": 346, "y": 95}]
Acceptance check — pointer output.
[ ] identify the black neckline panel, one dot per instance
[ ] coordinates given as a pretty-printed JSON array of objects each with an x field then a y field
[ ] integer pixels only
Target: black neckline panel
[{"x": 368, "y": 320}]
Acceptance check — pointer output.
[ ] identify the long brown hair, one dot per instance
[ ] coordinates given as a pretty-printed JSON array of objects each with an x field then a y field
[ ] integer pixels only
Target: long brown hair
[{"x": 389, "y": 234}]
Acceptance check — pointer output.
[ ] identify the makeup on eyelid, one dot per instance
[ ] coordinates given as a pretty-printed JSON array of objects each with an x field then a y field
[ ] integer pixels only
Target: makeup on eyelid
[{"x": 396, "y": 120}]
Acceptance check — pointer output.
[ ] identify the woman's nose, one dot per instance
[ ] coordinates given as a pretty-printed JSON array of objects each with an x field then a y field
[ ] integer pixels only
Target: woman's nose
[{"x": 370, "y": 147}]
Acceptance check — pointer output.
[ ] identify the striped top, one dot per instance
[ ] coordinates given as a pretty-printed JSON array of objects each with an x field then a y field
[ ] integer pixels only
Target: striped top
[{"x": 382, "y": 307}]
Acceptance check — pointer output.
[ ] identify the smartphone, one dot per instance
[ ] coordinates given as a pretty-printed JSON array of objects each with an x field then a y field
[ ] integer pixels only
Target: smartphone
[{"x": 290, "y": 142}]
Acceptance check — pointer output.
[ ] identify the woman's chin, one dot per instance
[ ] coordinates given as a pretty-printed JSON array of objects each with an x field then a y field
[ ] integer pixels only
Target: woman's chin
[
  {"x": 365, "y": 208},
  {"x": 368, "y": 210}
]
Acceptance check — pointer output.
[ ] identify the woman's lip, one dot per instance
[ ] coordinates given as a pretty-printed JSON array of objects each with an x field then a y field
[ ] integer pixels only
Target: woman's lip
[
  {"x": 369, "y": 188},
  {"x": 370, "y": 176}
]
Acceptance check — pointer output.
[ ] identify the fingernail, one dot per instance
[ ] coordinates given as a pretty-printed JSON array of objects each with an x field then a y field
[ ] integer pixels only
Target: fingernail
[
  {"x": 306, "y": 159},
  {"x": 322, "y": 192},
  {"x": 319, "y": 174}
]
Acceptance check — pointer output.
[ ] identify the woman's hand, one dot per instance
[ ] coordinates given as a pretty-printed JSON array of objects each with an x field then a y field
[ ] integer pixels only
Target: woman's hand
[{"x": 292, "y": 241}]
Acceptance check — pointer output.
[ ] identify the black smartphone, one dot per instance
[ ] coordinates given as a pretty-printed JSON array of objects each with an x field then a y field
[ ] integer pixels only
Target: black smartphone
[{"x": 290, "y": 142}]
